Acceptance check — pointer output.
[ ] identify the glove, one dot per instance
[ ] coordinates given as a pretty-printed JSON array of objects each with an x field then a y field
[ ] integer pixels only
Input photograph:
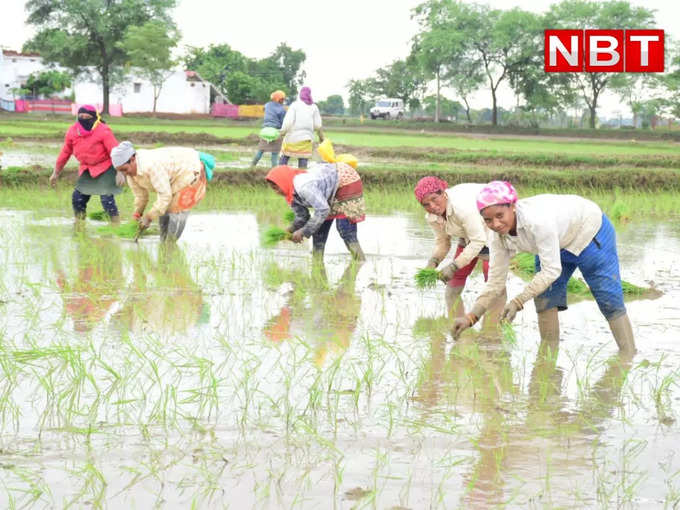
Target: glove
[
  {"x": 432, "y": 263},
  {"x": 447, "y": 273},
  {"x": 510, "y": 310},
  {"x": 120, "y": 179}
]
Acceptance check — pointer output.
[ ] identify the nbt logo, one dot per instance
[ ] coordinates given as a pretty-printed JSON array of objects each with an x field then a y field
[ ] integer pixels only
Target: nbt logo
[{"x": 604, "y": 51}]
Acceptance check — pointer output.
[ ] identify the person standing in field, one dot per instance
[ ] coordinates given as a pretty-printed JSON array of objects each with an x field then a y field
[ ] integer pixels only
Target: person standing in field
[
  {"x": 274, "y": 112},
  {"x": 452, "y": 214},
  {"x": 334, "y": 191},
  {"x": 565, "y": 232},
  {"x": 90, "y": 140},
  {"x": 177, "y": 175},
  {"x": 301, "y": 121}
]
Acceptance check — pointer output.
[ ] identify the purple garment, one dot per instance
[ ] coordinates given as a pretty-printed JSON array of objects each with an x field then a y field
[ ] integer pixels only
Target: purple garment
[{"x": 306, "y": 95}]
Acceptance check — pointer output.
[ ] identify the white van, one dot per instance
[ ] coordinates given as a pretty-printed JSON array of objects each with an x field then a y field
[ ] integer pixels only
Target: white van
[{"x": 388, "y": 108}]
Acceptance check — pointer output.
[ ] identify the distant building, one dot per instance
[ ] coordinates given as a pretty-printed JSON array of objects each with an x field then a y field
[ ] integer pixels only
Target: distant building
[
  {"x": 183, "y": 92},
  {"x": 15, "y": 68}
]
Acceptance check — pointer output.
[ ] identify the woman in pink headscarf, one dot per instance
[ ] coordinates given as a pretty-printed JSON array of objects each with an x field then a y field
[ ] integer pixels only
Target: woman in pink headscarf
[
  {"x": 452, "y": 214},
  {"x": 301, "y": 121},
  {"x": 565, "y": 232}
]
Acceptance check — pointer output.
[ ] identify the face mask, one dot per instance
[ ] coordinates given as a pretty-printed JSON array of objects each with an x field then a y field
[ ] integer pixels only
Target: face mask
[{"x": 87, "y": 123}]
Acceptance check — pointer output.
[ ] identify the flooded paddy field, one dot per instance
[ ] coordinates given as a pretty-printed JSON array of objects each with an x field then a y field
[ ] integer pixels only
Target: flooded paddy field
[{"x": 220, "y": 374}]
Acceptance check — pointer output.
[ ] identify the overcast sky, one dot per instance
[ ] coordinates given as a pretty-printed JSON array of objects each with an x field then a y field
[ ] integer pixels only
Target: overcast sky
[{"x": 342, "y": 39}]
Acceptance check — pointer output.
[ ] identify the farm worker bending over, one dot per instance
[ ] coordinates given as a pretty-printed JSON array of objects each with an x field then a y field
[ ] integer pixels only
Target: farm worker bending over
[
  {"x": 299, "y": 124},
  {"x": 452, "y": 214},
  {"x": 274, "y": 112},
  {"x": 334, "y": 191},
  {"x": 564, "y": 232},
  {"x": 177, "y": 175},
  {"x": 90, "y": 140}
]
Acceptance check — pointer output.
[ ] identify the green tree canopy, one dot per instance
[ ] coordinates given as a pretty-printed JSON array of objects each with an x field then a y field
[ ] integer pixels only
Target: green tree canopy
[
  {"x": 46, "y": 83},
  {"x": 149, "y": 49},
  {"x": 245, "y": 80},
  {"x": 333, "y": 105},
  {"x": 81, "y": 33}
]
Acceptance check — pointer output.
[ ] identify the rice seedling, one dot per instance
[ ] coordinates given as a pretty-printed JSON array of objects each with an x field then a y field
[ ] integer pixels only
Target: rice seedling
[
  {"x": 426, "y": 278},
  {"x": 289, "y": 216},
  {"x": 508, "y": 333},
  {"x": 272, "y": 235},
  {"x": 98, "y": 216},
  {"x": 127, "y": 230}
]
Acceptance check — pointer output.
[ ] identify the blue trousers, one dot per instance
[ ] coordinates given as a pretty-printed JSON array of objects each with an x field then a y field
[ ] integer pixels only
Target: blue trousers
[
  {"x": 346, "y": 229},
  {"x": 258, "y": 155},
  {"x": 599, "y": 264},
  {"x": 302, "y": 162},
  {"x": 80, "y": 200}
]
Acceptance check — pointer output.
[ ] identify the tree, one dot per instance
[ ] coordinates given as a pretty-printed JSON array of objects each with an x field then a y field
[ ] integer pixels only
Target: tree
[
  {"x": 333, "y": 105},
  {"x": 362, "y": 95},
  {"x": 149, "y": 50},
  {"x": 232, "y": 72},
  {"x": 46, "y": 83},
  {"x": 585, "y": 14},
  {"x": 402, "y": 79},
  {"x": 82, "y": 33},
  {"x": 447, "y": 107}
]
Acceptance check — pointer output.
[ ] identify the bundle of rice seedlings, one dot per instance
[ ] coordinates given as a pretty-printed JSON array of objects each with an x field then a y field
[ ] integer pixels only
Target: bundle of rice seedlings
[
  {"x": 426, "y": 277},
  {"x": 125, "y": 230},
  {"x": 99, "y": 216},
  {"x": 289, "y": 216},
  {"x": 508, "y": 333},
  {"x": 273, "y": 235}
]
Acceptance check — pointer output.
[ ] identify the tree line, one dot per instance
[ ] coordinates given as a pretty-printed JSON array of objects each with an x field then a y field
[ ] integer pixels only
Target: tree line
[{"x": 468, "y": 47}]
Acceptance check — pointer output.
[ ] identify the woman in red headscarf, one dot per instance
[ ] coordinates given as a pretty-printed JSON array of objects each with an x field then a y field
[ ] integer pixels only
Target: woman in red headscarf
[
  {"x": 334, "y": 191},
  {"x": 452, "y": 214},
  {"x": 90, "y": 140}
]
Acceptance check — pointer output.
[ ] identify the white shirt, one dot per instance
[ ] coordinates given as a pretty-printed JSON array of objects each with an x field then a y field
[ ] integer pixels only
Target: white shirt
[
  {"x": 462, "y": 221},
  {"x": 545, "y": 225},
  {"x": 300, "y": 122}
]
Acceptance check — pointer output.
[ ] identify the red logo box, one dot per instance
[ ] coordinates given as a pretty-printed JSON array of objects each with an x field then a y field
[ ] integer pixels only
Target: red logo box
[
  {"x": 644, "y": 51},
  {"x": 563, "y": 51},
  {"x": 604, "y": 51}
]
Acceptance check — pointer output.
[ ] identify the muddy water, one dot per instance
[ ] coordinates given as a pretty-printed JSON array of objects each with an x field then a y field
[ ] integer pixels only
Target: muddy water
[{"x": 222, "y": 374}]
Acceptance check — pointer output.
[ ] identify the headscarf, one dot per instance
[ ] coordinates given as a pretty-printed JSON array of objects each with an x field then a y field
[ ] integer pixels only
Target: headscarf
[
  {"x": 122, "y": 153},
  {"x": 306, "y": 95},
  {"x": 282, "y": 176},
  {"x": 496, "y": 193},
  {"x": 88, "y": 124},
  {"x": 429, "y": 184},
  {"x": 278, "y": 95}
]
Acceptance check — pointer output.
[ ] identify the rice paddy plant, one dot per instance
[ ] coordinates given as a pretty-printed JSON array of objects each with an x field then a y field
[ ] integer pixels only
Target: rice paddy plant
[
  {"x": 289, "y": 216},
  {"x": 127, "y": 230},
  {"x": 426, "y": 278},
  {"x": 98, "y": 216},
  {"x": 508, "y": 333},
  {"x": 273, "y": 235}
]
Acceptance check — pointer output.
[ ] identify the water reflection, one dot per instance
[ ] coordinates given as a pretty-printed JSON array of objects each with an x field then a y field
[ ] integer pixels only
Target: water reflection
[
  {"x": 92, "y": 288},
  {"x": 322, "y": 314},
  {"x": 163, "y": 297},
  {"x": 519, "y": 438}
]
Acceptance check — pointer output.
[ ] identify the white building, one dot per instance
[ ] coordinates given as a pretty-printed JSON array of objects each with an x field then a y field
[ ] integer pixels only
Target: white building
[
  {"x": 182, "y": 92},
  {"x": 15, "y": 69}
]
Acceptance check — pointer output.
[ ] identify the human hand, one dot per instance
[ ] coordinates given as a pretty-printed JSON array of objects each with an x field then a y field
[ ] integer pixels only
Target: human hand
[
  {"x": 297, "y": 236},
  {"x": 432, "y": 263},
  {"x": 460, "y": 325},
  {"x": 120, "y": 179},
  {"x": 53, "y": 179},
  {"x": 144, "y": 222},
  {"x": 447, "y": 272},
  {"x": 510, "y": 310}
]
